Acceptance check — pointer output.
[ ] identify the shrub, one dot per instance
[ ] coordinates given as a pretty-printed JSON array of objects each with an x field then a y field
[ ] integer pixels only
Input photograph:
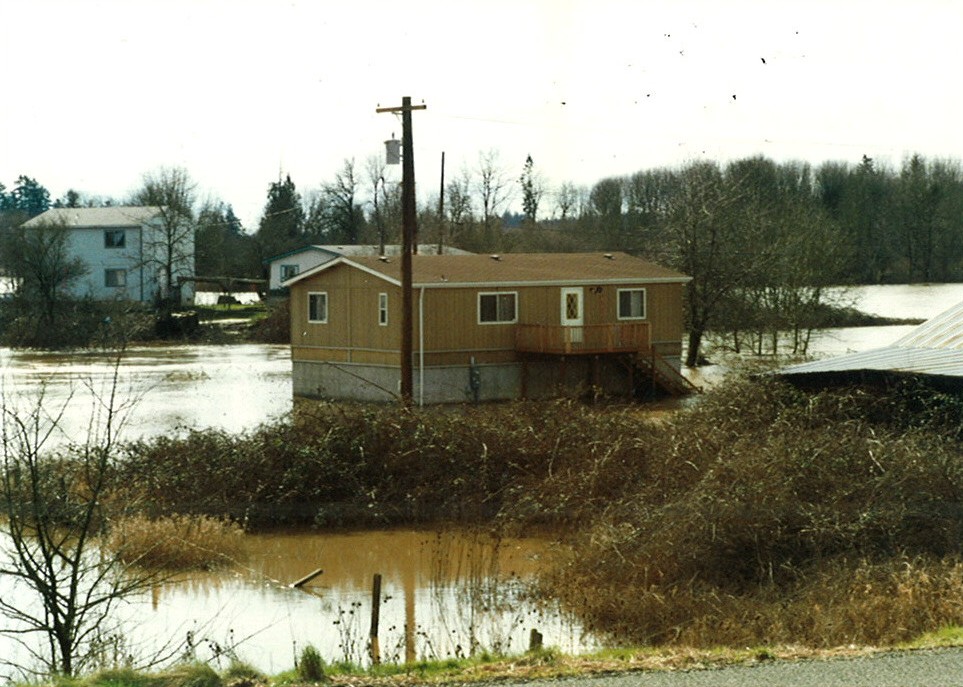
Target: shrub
[
  {"x": 176, "y": 542},
  {"x": 311, "y": 665},
  {"x": 725, "y": 520},
  {"x": 80, "y": 323},
  {"x": 357, "y": 465},
  {"x": 191, "y": 675},
  {"x": 275, "y": 326},
  {"x": 240, "y": 674}
]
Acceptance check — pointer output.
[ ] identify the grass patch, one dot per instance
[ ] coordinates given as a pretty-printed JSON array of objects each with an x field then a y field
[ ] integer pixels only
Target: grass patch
[
  {"x": 190, "y": 675},
  {"x": 951, "y": 635},
  {"x": 176, "y": 542},
  {"x": 545, "y": 664},
  {"x": 311, "y": 667},
  {"x": 221, "y": 312}
]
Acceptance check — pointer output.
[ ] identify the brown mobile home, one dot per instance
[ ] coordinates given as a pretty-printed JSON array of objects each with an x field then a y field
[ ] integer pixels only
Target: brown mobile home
[{"x": 486, "y": 327}]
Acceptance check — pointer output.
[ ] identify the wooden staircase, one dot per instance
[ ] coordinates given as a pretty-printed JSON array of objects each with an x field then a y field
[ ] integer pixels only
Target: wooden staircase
[{"x": 663, "y": 374}]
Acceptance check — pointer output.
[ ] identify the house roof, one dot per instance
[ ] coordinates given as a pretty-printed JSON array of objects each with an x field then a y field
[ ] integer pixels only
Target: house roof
[
  {"x": 510, "y": 269},
  {"x": 370, "y": 250},
  {"x": 116, "y": 216},
  {"x": 933, "y": 348},
  {"x": 391, "y": 249}
]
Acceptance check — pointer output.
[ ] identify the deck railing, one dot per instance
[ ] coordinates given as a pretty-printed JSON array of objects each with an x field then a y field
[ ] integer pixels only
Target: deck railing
[{"x": 582, "y": 340}]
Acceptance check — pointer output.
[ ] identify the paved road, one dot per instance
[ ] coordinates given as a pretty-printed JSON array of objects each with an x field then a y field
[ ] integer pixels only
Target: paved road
[{"x": 929, "y": 668}]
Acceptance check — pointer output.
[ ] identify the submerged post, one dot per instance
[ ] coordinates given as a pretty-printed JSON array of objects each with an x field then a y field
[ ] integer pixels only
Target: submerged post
[
  {"x": 375, "y": 619},
  {"x": 307, "y": 578}
]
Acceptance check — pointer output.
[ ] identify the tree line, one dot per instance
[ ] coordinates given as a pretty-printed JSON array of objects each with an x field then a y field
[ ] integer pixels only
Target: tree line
[{"x": 763, "y": 240}]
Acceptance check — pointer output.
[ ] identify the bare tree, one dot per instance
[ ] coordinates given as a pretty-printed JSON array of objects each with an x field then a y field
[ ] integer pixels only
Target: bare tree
[
  {"x": 569, "y": 200},
  {"x": 53, "y": 517},
  {"x": 710, "y": 242},
  {"x": 40, "y": 262},
  {"x": 385, "y": 200},
  {"x": 344, "y": 219},
  {"x": 494, "y": 190},
  {"x": 458, "y": 209},
  {"x": 169, "y": 248}
]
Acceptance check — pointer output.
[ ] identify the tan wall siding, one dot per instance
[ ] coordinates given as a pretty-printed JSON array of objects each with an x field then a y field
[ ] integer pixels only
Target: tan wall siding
[
  {"x": 451, "y": 322},
  {"x": 451, "y": 327},
  {"x": 352, "y": 314}
]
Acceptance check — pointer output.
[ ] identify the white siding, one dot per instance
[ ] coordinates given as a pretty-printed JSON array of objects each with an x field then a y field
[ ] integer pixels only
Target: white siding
[
  {"x": 304, "y": 260},
  {"x": 144, "y": 268}
]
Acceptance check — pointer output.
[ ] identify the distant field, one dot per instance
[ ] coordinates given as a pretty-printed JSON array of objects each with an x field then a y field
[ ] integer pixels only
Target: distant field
[{"x": 210, "y": 297}]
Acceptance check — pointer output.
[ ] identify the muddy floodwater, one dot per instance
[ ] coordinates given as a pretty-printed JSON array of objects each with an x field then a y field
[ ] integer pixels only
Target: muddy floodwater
[
  {"x": 443, "y": 594},
  {"x": 161, "y": 389}
]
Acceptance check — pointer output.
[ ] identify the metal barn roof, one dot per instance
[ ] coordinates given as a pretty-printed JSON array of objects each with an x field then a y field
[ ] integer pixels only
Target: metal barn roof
[{"x": 933, "y": 348}]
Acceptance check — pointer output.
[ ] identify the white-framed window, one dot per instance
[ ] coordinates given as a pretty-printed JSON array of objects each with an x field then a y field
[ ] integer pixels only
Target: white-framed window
[
  {"x": 498, "y": 308},
  {"x": 289, "y": 272},
  {"x": 318, "y": 308},
  {"x": 115, "y": 278},
  {"x": 631, "y": 304},
  {"x": 115, "y": 238},
  {"x": 383, "y": 309}
]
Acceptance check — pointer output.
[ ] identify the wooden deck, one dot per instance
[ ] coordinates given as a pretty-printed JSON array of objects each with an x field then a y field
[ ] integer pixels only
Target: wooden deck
[{"x": 584, "y": 340}]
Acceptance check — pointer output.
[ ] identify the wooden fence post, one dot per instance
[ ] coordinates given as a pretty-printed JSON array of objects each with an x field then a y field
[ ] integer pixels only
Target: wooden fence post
[{"x": 375, "y": 619}]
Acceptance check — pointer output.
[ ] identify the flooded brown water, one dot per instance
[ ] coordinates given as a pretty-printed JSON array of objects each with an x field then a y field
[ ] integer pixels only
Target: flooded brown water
[
  {"x": 458, "y": 592},
  {"x": 174, "y": 388},
  {"x": 443, "y": 594}
]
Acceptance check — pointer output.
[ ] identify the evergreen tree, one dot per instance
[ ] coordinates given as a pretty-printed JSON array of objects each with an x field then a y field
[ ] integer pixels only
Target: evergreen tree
[
  {"x": 29, "y": 197},
  {"x": 532, "y": 191},
  {"x": 71, "y": 199},
  {"x": 223, "y": 249},
  {"x": 233, "y": 223},
  {"x": 282, "y": 224}
]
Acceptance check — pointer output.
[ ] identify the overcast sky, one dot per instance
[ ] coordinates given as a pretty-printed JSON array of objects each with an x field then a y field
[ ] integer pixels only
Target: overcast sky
[{"x": 98, "y": 92}]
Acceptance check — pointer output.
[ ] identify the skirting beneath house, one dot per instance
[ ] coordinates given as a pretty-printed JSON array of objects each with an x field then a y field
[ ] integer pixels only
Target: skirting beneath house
[{"x": 534, "y": 379}]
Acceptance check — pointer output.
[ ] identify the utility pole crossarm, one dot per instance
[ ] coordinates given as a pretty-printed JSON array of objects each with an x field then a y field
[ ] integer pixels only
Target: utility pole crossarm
[{"x": 401, "y": 108}]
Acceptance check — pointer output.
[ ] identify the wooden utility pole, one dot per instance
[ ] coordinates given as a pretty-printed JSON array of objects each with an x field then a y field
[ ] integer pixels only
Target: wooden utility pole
[
  {"x": 441, "y": 208},
  {"x": 409, "y": 235}
]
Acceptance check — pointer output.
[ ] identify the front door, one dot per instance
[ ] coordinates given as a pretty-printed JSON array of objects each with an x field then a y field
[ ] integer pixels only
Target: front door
[{"x": 572, "y": 316}]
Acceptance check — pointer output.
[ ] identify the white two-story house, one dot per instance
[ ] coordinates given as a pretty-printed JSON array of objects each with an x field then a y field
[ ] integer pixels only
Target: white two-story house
[{"x": 128, "y": 251}]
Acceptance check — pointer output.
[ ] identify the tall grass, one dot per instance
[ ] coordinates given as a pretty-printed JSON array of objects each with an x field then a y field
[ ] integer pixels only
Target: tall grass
[
  {"x": 769, "y": 515},
  {"x": 176, "y": 542}
]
